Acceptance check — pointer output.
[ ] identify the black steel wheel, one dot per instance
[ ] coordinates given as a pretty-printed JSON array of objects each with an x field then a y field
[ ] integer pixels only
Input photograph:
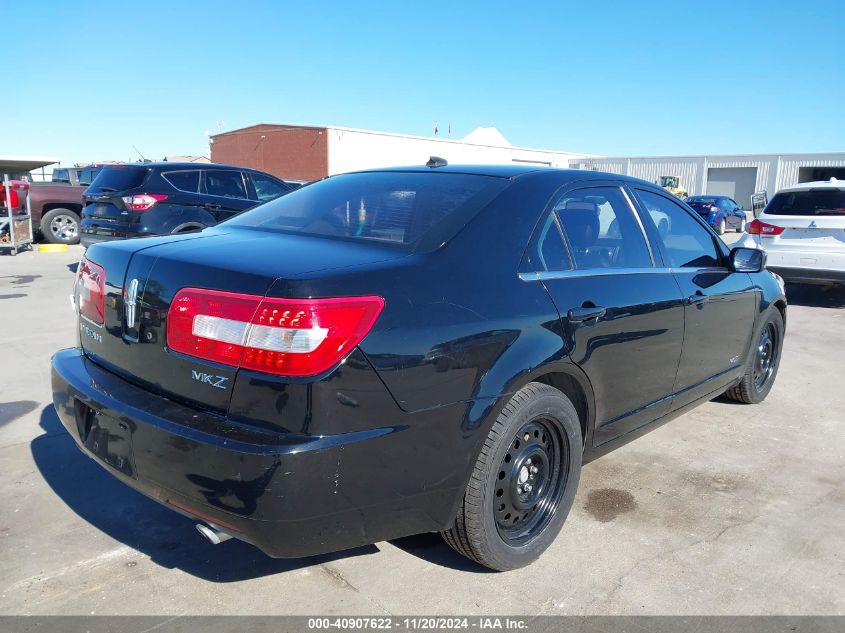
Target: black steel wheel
[
  {"x": 532, "y": 477},
  {"x": 763, "y": 361},
  {"x": 765, "y": 356},
  {"x": 523, "y": 483}
]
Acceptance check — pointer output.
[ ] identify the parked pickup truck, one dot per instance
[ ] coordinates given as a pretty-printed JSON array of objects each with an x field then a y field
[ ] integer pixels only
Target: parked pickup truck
[
  {"x": 55, "y": 211},
  {"x": 57, "y": 205}
]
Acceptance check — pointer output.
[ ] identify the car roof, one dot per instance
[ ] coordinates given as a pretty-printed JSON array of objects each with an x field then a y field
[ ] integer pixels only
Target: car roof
[
  {"x": 833, "y": 183},
  {"x": 709, "y": 195},
  {"x": 180, "y": 165},
  {"x": 509, "y": 171}
]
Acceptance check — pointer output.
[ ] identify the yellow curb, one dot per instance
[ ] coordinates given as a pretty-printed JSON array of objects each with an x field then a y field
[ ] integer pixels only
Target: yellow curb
[{"x": 52, "y": 248}]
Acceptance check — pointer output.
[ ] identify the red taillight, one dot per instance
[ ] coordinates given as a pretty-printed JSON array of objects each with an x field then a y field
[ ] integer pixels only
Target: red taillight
[
  {"x": 91, "y": 291},
  {"x": 288, "y": 337},
  {"x": 142, "y": 201},
  {"x": 763, "y": 228}
]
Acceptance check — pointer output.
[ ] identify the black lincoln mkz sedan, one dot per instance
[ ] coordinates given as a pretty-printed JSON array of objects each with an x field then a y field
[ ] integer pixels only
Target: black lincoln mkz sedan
[{"x": 399, "y": 351}]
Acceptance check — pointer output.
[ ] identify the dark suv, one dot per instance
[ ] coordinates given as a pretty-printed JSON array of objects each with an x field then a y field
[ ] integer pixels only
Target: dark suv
[{"x": 145, "y": 199}]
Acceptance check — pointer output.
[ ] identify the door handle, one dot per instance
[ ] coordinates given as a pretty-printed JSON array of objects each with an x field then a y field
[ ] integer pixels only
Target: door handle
[
  {"x": 211, "y": 206},
  {"x": 585, "y": 313},
  {"x": 698, "y": 299}
]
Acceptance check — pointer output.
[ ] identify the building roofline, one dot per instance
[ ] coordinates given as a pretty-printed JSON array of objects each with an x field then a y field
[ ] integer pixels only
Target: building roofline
[
  {"x": 720, "y": 156},
  {"x": 341, "y": 128}
]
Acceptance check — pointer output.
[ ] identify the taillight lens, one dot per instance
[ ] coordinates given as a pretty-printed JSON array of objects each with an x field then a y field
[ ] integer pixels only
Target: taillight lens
[
  {"x": 142, "y": 201},
  {"x": 91, "y": 291},
  {"x": 758, "y": 227},
  {"x": 287, "y": 337}
]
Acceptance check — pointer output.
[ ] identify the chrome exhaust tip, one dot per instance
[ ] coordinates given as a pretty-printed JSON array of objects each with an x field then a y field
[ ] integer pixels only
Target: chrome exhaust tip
[{"x": 212, "y": 534}]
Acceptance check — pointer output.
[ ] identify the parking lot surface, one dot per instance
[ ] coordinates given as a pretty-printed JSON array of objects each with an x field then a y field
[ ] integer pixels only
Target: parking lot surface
[{"x": 730, "y": 509}]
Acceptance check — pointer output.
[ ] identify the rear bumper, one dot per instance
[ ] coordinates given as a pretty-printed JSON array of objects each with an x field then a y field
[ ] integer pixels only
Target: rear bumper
[
  {"x": 87, "y": 239},
  {"x": 808, "y": 275},
  {"x": 290, "y": 495}
]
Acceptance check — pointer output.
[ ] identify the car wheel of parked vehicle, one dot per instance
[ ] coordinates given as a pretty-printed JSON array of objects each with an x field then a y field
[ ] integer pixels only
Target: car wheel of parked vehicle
[
  {"x": 741, "y": 228},
  {"x": 524, "y": 481},
  {"x": 763, "y": 362},
  {"x": 60, "y": 226},
  {"x": 720, "y": 228}
]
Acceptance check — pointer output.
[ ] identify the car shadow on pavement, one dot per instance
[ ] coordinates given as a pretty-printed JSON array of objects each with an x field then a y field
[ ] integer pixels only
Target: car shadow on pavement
[
  {"x": 814, "y": 296},
  {"x": 433, "y": 549},
  {"x": 168, "y": 538}
]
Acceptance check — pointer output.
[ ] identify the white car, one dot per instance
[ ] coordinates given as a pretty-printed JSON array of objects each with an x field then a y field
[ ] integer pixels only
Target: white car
[{"x": 802, "y": 231}]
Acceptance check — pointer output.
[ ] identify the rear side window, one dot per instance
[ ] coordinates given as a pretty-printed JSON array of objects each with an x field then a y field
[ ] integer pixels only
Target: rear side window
[
  {"x": 225, "y": 183},
  {"x": 811, "y": 202},
  {"x": 686, "y": 243},
  {"x": 602, "y": 230},
  {"x": 184, "y": 180},
  {"x": 267, "y": 188},
  {"x": 551, "y": 252},
  {"x": 119, "y": 178},
  {"x": 61, "y": 175},
  {"x": 393, "y": 207}
]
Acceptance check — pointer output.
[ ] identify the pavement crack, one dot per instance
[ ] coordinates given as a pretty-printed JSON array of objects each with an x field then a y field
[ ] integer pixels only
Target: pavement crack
[{"x": 335, "y": 575}]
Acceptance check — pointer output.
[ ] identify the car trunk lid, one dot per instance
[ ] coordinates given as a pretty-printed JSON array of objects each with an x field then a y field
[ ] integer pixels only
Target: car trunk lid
[
  {"x": 142, "y": 282},
  {"x": 806, "y": 233}
]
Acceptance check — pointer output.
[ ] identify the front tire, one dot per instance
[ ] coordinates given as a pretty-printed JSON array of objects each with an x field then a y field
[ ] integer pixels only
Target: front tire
[
  {"x": 741, "y": 228},
  {"x": 523, "y": 483},
  {"x": 763, "y": 362},
  {"x": 60, "y": 226}
]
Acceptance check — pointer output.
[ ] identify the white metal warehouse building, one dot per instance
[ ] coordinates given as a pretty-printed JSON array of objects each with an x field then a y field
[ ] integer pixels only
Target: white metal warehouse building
[{"x": 736, "y": 176}]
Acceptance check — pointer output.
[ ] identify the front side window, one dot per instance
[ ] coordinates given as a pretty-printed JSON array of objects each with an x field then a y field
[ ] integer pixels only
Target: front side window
[
  {"x": 225, "y": 183},
  {"x": 267, "y": 188},
  {"x": 686, "y": 243},
  {"x": 601, "y": 229}
]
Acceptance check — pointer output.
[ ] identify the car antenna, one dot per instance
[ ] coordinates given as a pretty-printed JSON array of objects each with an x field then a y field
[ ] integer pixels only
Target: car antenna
[
  {"x": 140, "y": 154},
  {"x": 436, "y": 161}
]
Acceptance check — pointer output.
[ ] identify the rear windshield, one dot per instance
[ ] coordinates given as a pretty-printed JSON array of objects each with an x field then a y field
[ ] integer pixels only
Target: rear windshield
[
  {"x": 810, "y": 202},
  {"x": 392, "y": 207},
  {"x": 702, "y": 201},
  {"x": 119, "y": 178}
]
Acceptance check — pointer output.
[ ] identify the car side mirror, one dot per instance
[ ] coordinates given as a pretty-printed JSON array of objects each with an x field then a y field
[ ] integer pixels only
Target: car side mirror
[{"x": 748, "y": 260}]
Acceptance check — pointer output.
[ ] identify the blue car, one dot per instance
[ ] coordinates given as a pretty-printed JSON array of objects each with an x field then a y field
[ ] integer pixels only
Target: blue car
[{"x": 721, "y": 212}]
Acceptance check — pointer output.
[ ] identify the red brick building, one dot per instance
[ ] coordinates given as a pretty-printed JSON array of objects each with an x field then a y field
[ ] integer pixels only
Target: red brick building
[{"x": 286, "y": 151}]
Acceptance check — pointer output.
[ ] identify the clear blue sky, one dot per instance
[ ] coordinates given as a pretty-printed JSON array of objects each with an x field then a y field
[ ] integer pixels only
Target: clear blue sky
[{"x": 90, "y": 80}]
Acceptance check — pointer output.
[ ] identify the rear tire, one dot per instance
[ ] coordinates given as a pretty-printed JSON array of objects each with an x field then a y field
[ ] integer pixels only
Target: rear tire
[
  {"x": 761, "y": 369},
  {"x": 523, "y": 483},
  {"x": 720, "y": 228},
  {"x": 60, "y": 226}
]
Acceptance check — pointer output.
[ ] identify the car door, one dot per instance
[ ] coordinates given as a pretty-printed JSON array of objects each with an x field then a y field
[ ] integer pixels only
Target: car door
[
  {"x": 621, "y": 312},
  {"x": 225, "y": 193},
  {"x": 720, "y": 304}
]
